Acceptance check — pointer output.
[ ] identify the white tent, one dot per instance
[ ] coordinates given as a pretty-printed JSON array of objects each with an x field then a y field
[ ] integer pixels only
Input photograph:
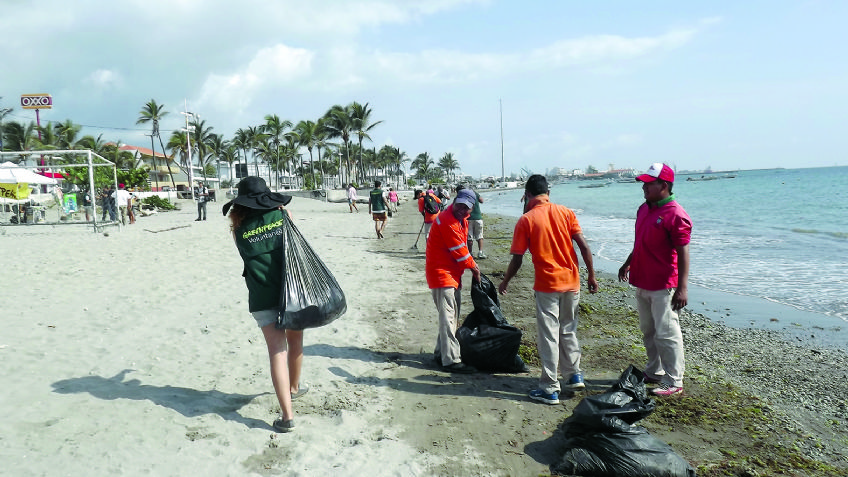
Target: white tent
[{"x": 11, "y": 173}]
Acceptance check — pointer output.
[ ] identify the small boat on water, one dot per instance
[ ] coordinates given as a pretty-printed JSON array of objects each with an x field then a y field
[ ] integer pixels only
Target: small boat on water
[{"x": 592, "y": 186}]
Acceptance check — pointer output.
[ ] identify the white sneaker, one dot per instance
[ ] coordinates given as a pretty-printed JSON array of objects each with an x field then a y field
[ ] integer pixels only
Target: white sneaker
[{"x": 481, "y": 255}]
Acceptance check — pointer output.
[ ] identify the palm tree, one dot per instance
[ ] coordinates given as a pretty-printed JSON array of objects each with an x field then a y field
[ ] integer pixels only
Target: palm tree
[
  {"x": 401, "y": 158},
  {"x": 201, "y": 136},
  {"x": 361, "y": 121},
  {"x": 449, "y": 164},
  {"x": 217, "y": 145},
  {"x": 178, "y": 145},
  {"x": 229, "y": 154},
  {"x": 152, "y": 113},
  {"x": 266, "y": 151},
  {"x": 275, "y": 128},
  {"x": 307, "y": 132},
  {"x": 338, "y": 124},
  {"x": 66, "y": 133},
  {"x": 320, "y": 141},
  {"x": 123, "y": 160},
  {"x": 242, "y": 141},
  {"x": 423, "y": 166},
  {"x": 95, "y": 144},
  {"x": 20, "y": 137},
  {"x": 47, "y": 137},
  {"x": 254, "y": 136},
  {"x": 3, "y": 113}
]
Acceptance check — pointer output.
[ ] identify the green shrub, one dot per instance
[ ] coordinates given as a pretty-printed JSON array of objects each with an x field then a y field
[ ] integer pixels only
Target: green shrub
[{"x": 158, "y": 202}]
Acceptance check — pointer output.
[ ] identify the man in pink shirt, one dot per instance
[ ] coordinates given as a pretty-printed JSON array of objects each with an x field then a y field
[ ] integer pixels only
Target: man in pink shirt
[{"x": 658, "y": 267}]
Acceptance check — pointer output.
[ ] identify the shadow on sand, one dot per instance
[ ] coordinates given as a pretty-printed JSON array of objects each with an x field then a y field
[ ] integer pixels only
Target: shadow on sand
[{"x": 186, "y": 401}]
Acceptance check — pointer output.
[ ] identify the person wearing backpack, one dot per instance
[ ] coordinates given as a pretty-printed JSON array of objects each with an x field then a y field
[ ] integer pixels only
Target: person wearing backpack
[{"x": 428, "y": 205}]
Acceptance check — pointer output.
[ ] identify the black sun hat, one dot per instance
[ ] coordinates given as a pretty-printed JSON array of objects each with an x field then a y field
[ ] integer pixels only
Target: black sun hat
[{"x": 253, "y": 193}]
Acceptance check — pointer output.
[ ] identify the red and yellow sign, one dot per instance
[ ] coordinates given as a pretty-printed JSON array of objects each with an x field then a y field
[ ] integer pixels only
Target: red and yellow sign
[
  {"x": 14, "y": 191},
  {"x": 36, "y": 101}
]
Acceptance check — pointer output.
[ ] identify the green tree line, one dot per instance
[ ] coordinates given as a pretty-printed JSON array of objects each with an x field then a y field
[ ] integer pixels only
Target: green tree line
[{"x": 299, "y": 155}]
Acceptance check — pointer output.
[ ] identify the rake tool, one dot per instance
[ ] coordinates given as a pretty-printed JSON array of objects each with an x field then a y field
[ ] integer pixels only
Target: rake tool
[{"x": 415, "y": 245}]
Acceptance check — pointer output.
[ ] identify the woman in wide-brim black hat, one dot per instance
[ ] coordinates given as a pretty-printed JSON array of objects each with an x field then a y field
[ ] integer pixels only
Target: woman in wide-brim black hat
[{"x": 255, "y": 217}]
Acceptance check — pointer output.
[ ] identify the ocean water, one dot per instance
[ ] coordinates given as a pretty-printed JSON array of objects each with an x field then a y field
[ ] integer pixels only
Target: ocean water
[{"x": 769, "y": 247}]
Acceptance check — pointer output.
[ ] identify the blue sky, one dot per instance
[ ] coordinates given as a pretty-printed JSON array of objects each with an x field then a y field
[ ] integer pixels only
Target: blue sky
[{"x": 726, "y": 84}]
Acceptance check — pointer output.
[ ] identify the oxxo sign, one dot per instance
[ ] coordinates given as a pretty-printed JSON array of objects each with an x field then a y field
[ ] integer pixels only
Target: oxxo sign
[{"x": 36, "y": 101}]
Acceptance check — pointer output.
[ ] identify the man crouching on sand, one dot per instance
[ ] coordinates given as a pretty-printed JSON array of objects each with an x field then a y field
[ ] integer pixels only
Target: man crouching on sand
[
  {"x": 548, "y": 230},
  {"x": 447, "y": 258}
]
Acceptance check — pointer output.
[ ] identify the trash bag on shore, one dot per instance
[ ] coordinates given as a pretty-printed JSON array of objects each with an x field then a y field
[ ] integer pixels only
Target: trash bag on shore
[
  {"x": 486, "y": 340},
  {"x": 602, "y": 439},
  {"x": 311, "y": 296}
]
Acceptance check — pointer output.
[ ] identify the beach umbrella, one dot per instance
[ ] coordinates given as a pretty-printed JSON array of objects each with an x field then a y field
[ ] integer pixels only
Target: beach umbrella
[{"x": 11, "y": 173}]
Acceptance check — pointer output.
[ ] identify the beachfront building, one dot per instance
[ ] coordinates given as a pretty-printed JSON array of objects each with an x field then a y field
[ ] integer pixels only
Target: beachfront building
[{"x": 164, "y": 169}]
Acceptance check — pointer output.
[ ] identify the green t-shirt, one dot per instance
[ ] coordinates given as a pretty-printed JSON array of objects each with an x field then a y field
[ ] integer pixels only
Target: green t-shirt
[
  {"x": 475, "y": 211},
  {"x": 259, "y": 240},
  {"x": 378, "y": 204}
]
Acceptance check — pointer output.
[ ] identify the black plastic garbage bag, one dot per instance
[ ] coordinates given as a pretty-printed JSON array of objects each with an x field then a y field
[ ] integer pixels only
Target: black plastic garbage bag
[
  {"x": 486, "y": 340},
  {"x": 602, "y": 439},
  {"x": 311, "y": 296}
]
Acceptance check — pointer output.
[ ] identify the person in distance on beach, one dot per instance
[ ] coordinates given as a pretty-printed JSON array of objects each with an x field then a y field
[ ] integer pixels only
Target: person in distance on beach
[
  {"x": 123, "y": 199},
  {"x": 447, "y": 258},
  {"x": 351, "y": 198},
  {"x": 429, "y": 218},
  {"x": 377, "y": 208},
  {"x": 257, "y": 208},
  {"x": 201, "y": 193},
  {"x": 475, "y": 225},
  {"x": 393, "y": 200},
  {"x": 658, "y": 266},
  {"x": 548, "y": 230}
]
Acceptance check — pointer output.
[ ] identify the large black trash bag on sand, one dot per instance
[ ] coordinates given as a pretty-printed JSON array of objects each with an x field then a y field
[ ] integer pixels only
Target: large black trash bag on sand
[
  {"x": 311, "y": 296},
  {"x": 486, "y": 340},
  {"x": 602, "y": 440}
]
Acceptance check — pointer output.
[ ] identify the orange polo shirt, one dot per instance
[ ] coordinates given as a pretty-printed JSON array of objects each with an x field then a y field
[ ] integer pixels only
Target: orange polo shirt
[
  {"x": 428, "y": 217},
  {"x": 447, "y": 251},
  {"x": 546, "y": 230}
]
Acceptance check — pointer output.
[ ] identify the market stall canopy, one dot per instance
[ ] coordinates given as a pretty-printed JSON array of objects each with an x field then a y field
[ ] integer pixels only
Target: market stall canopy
[{"x": 11, "y": 173}]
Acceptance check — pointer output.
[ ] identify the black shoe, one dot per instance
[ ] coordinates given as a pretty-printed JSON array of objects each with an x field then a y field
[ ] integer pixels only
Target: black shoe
[
  {"x": 197, "y": 220},
  {"x": 460, "y": 368},
  {"x": 284, "y": 426}
]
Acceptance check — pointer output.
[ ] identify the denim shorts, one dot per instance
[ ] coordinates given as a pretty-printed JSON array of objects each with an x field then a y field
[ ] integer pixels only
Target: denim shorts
[{"x": 265, "y": 317}]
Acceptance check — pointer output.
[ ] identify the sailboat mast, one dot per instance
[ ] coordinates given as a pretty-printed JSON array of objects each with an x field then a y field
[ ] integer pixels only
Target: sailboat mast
[{"x": 500, "y": 105}]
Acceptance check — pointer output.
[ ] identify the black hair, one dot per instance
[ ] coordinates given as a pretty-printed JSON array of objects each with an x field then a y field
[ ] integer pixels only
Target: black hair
[
  {"x": 669, "y": 184},
  {"x": 536, "y": 185}
]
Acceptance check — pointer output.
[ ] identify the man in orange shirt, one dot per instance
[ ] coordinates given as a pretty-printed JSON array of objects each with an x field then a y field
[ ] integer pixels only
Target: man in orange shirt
[
  {"x": 429, "y": 218},
  {"x": 447, "y": 258},
  {"x": 547, "y": 230}
]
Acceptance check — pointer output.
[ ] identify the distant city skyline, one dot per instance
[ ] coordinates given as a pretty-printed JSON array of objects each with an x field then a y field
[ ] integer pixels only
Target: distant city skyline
[{"x": 723, "y": 84}]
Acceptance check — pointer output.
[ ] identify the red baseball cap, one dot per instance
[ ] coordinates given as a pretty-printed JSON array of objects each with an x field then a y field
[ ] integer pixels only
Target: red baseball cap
[{"x": 657, "y": 170}]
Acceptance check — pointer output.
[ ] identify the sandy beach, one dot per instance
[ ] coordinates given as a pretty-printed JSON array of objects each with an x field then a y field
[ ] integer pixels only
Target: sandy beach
[{"x": 131, "y": 352}]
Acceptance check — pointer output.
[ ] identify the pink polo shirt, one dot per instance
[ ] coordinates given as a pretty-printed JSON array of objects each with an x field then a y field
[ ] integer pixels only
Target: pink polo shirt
[{"x": 658, "y": 231}]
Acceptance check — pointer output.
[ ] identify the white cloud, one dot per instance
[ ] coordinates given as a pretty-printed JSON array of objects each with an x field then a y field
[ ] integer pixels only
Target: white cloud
[
  {"x": 272, "y": 66},
  {"x": 601, "y": 48},
  {"x": 105, "y": 79},
  {"x": 448, "y": 66}
]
